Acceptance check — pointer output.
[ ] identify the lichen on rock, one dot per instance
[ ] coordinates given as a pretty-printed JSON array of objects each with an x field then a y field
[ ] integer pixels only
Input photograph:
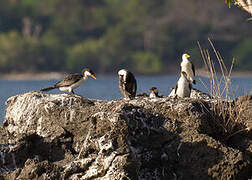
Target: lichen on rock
[{"x": 48, "y": 136}]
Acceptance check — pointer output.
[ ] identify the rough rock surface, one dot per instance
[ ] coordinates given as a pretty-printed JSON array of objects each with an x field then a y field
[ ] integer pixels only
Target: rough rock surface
[
  {"x": 48, "y": 136},
  {"x": 195, "y": 93}
]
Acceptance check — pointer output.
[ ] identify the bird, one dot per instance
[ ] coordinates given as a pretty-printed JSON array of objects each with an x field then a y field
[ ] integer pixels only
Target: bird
[
  {"x": 154, "y": 93},
  {"x": 72, "y": 81},
  {"x": 188, "y": 67},
  {"x": 127, "y": 84},
  {"x": 183, "y": 87}
]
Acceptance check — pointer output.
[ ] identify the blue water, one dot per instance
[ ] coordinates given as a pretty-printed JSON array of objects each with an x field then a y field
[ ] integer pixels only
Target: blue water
[{"x": 106, "y": 88}]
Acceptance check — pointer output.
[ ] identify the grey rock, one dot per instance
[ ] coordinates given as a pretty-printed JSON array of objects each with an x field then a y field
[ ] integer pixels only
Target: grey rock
[
  {"x": 48, "y": 136},
  {"x": 195, "y": 93}
]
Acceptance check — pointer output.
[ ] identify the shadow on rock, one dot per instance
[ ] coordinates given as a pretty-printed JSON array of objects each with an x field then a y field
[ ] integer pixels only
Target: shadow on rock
[
  {"x": 195, "y": 160},
  {"x": 66, "y": 138},
  {"x": 35, "y": 147},
  {"x": 159, "y": 152}
]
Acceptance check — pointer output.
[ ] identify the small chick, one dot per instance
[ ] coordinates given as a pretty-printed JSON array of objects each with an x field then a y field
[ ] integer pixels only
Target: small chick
[{"x": 154, "y": 93}]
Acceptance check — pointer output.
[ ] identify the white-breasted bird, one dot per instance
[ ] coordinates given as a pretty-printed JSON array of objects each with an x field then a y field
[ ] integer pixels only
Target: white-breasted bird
[
  {"x": 183, "y": 87},
  {"x": 154, "y": 93},
  {"x": 72, "y": 81},
  {"x": 127, "y": 84},
  {"x": 188, "y": 67}
]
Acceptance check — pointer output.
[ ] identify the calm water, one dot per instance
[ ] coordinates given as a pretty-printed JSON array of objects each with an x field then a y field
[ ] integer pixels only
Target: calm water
[{"x": 106, "y": 88}]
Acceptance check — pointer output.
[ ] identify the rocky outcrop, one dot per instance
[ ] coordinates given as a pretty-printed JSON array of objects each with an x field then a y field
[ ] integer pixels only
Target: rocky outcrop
[
  {"x": 195, "y": 93},
  {"x": 46, "y": 136}
]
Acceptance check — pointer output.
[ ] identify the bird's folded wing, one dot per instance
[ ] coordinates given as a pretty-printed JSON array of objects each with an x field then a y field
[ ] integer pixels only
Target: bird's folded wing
[
  {"x": 131, "y": 84},
  {"x": 193, "y": 69},
  {"x": 69, "y": 80}
]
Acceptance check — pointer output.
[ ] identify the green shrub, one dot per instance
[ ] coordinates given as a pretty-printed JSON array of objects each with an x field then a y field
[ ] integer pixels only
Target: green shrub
[
  {"x": 146, "y": 62},
  {"x": 19, "y": 53},
  {"x": 86, "y": 53},
  {"x": 243, "y": 54},
  {"x": 11, "y": 49}
]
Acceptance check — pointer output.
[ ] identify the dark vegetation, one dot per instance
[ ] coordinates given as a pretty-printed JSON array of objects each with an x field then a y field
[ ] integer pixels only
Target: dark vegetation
[{"x": 144, "y": 36}]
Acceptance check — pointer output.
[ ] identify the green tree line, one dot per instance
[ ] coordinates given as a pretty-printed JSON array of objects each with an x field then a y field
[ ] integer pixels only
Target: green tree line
[{"x": 106, "y": 35}]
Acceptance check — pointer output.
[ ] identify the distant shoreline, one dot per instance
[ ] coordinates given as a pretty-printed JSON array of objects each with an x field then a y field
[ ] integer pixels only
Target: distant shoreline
[
  {"x": 32, "y": 76},
  {"x": 59, "y": 75}
]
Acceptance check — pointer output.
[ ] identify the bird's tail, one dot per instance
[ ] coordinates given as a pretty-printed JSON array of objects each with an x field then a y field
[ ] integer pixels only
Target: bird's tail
[{"x": 48, "y": 89}]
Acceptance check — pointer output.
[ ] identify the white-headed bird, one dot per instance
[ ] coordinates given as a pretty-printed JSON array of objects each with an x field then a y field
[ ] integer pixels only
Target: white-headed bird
[
  {"x": 72, "y": 81},
  {"x": 127, "y": 84},
  {"x": 188, "y": 67}
]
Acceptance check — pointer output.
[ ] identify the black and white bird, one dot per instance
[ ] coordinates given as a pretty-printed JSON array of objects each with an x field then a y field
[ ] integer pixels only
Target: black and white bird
[
  {"x": 183, "y": 87},
  {"x": 188, "y": 67},
  {"x": 154, "y": 93},
  {"x": 127, "y": 84},
  {"x": 72, "y": 81}
]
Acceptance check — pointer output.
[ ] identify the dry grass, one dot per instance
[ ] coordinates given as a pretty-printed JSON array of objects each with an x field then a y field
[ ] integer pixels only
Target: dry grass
[{"x": 226, "y": 113}]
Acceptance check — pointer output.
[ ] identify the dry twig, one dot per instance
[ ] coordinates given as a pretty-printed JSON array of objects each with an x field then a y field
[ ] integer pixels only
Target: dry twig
[{"x": 225, "y": 113}]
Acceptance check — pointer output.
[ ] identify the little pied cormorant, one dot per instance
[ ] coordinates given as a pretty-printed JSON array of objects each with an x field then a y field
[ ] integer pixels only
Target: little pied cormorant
[
  {"x": 188, "y": 67},
  {"x": 127, "y": 84},
  {"x": 72, "y": 81},
  {"x": 183, "y": 87},
  {"x": 154, "y": 92}
]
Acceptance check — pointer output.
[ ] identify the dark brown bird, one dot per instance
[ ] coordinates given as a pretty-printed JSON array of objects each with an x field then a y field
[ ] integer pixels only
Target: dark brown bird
[{"x": 127, "y": 84}]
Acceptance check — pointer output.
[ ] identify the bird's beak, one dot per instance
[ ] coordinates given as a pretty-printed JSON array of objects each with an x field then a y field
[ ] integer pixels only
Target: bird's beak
[
  {"x": 187, "y": 56},
  {"x": 92, "y": 76}
]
